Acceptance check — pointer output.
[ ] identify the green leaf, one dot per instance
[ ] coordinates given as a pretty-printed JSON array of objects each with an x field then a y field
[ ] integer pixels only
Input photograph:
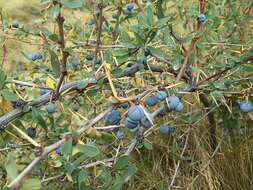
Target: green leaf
[
  {"x": 55, "y": 63},
  {"x": 122, "y": 162},
  {"x": 53, "y": 37},
  {"x": 130, "y": 170},
  {"x": 72, "y": 4},
  {"x": 55, "y": 11},
  {"x": 10, "y": 166},
  {"x": 162, "y": 22},
  {"x": 156, "y": 52},
  {"x": 82, "y": 85},
  {"x": 31, "y": 184},
  {"x": 117, "y": 183},
  {"x": 2, "y": 79},
  {"x": 8, "y": 95},
  {"x": 107, "y": 137},
  {"x": 88, "y": 149},
  {"x": 149, "y": 13},
  {"x": 81, "y": 179},
  {"x": 37, "y": 118},
  {"x": 148, "y": 145},
  {"x": 67, "y": 147}
]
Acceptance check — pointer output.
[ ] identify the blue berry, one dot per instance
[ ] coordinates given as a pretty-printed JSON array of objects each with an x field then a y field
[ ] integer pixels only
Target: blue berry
[
  {"x": 15, "y": 24},
  {"x": 126, "y": 11},
  {"x": 97, "y": 13},
  {"x": 31, "y": 132},
  {"x": 75, "y": 107},
  {"x": 246, "y": 106},
  {"x": 145, "y": 122},
  {"x": 98, "y": 62},
  {"x": 146, "y": 52},
  {"x": 120, "y": 135},
  {"x": 130, "y": 6},
  {"x": 89, "y": 57},
  {"x": 151, "y": 100},
  {"x": 179, "y": 107},
  {"x": 44, "y": 91},
  {"x": 143, "y": 61},
  {"x": 58, "y": 151},
  {"x": 114, "y": 15},
  {"x": 161, "y": 95},
  {"x": 166, "y": 129},
  {"x": 74, "y": 62},
  {"x": 124, "y": 105},
  {"x": 35, "y": 56},
  {"x": 130, "y": 124},
  {"x": 201, "y": 18},
  {"x": 50, "y": 108},
  {"x": 90, "y": 22},
  {"x": 135, "y": 113},
  {"x": 173, "y": 101},
  {"x": 118, "y": 88},
  {"x": 113, "y": 118}
]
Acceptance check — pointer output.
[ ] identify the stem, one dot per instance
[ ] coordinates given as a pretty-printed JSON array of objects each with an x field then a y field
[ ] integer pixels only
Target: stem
[
  {"x": 60, "y": 21},
  {"x": 99, "y": 32}
]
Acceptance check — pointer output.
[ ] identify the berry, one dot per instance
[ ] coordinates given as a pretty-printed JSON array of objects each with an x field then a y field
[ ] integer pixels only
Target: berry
[
  {"x": 120, "y": 135},
  {"x": 44, "y": 91},
  {"x": 124, "y": 105},
  {"x": 126, "y": 11},
  {"x": 75, "y": 107},
  {"x": 58, "y": 151},
  {"x": 201, "y": 18},
  {"x": 135, "y": 113},
  {"x": 97, "y": 13},
  {"x": 74, "y": 62},
  {"x": 151, "y": 100},
  {"x": 130, "y": 6},
  {"x": 143, "y": 61},
  {"x": 145, "y": 122},
  {"x": 130, "y": 124},
  {"x": 114, "y": 15},
  {"x": 173, "y": 101},
  {"x": 89, "y": 57},
  {"x": 35, "y": 56},
  {"x": 89, "y": 22},
  {"x": 179, "y": 107},
  {"x": 50, "y": 108},
  {"x": 245, "y": 106},
  {"x": 31, "y": 132},
  {"x": 166, "y": 129},
  {"x": 15, "y": 24},
  {"x": 113, "y": 118},
  {"x": 98, "y": 62},
  {"x": 146, "y": 52},
  {"x": 161, "y": 95},
  {"x": 228, "y": 83},
  {"x": 118, "y": 88},
  {"x": 130, "y": 71}
]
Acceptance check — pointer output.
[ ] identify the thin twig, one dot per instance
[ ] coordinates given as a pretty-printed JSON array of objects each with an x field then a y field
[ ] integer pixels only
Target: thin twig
[
  {"x": 202, "y": 4},
  {"x": 65, "y": 54},
  {"x": 99, "y": 32}
]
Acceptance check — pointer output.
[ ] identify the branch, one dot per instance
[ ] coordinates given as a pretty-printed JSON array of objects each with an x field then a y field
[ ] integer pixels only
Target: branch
[
  {"x": 99, "y": 32},
  {"x": 40, "y": 101},
  {"x": 65, "y": 54},
  {"x": 14, "y": 184},
  {"x": 211, "y": 120},
  {"x": 202, "y": 4}
]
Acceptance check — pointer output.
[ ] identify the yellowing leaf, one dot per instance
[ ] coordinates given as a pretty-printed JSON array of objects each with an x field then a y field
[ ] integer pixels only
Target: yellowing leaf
[
  {"x": 5, "y": 105},
  {"x": 50, "y": 83}
]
